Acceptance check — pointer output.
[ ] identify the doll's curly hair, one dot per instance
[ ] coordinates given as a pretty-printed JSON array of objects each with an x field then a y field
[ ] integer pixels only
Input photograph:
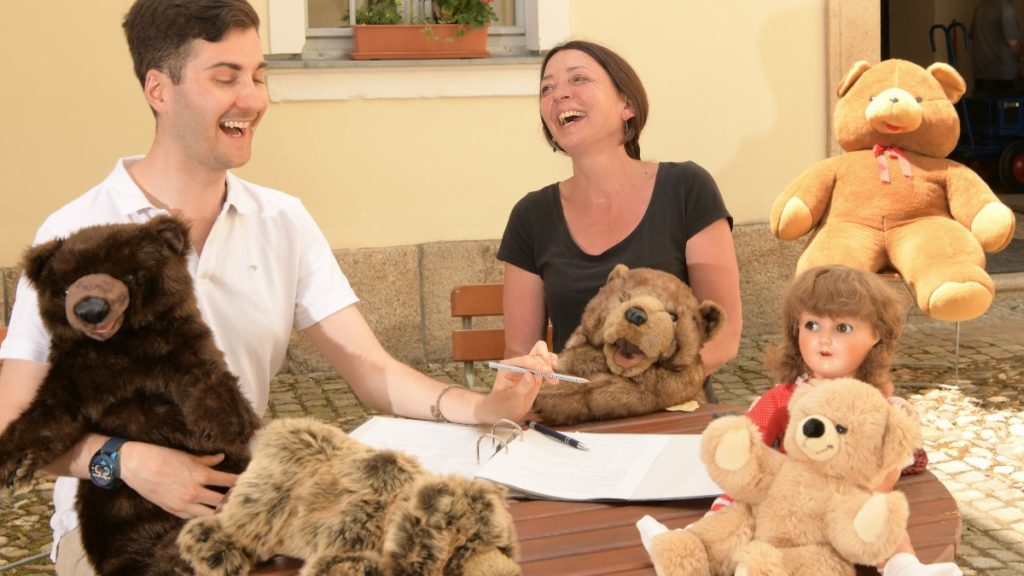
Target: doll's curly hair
[{"x": 840, "y": 292}]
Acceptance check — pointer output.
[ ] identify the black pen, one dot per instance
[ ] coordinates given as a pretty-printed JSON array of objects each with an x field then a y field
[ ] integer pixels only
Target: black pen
[{"x": 555, "y": 434}]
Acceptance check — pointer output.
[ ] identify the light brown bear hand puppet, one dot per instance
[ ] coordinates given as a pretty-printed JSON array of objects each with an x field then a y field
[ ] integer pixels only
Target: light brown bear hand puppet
[
  {"x": 811, "y": 511},
  {"x": 311, "y": 492},
  {"x": 893, "y": 201},
  {"x": 638, "y": 344}
]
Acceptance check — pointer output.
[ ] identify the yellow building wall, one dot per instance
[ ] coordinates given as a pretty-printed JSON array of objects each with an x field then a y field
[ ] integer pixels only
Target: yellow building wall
[{"x": 738, "y": 87}]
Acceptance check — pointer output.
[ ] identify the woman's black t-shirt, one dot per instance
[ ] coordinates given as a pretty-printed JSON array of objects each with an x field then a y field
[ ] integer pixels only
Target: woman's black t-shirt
[{"x": 685, "y": 200}]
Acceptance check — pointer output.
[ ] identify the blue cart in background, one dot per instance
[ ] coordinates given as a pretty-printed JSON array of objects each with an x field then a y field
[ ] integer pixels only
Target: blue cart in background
[
  {"x": 991, "y": 128},
  {"x": 992, "y": 140}
]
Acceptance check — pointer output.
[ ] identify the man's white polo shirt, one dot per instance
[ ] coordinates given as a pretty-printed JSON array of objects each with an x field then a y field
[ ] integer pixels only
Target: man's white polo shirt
[{"x": 265, "y": 268}]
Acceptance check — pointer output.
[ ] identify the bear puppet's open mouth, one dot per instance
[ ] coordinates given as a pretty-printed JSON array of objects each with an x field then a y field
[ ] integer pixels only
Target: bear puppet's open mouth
[{"x": 627, "y": 354}]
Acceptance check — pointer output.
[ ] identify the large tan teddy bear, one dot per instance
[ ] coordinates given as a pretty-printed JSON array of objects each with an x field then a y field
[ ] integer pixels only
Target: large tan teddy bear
[
  {"x": 811, "y": 511},
  {"x": 638, "y": 344},
  {"x": 893, "y": 201},
  {"x": 311, "y": 492}
]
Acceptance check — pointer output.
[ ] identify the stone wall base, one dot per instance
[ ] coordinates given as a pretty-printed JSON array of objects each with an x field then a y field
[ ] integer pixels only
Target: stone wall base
[{"x": 404, "y": 291}]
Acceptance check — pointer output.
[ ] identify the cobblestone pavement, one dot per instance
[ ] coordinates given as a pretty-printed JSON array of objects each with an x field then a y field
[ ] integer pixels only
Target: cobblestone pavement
[{"x": 972, "y": 416}]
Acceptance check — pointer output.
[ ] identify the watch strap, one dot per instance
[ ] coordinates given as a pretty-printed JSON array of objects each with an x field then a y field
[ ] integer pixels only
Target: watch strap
[{"x": 113, "y": 444}]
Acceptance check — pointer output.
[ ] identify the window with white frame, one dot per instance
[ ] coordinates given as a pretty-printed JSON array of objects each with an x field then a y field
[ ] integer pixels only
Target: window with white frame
[
  {"x": 324, "y": 72},
  {"x": 329, "y": 26},
  {"x": 322, "y": 29},
  {"x": 334, "y": 17}
]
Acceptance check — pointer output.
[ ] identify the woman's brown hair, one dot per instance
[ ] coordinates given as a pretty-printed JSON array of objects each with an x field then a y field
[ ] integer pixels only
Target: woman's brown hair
[{"x": 626, "y": 81}]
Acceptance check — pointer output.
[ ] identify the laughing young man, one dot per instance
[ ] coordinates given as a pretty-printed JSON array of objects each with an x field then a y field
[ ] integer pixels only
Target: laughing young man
[{"x": 260, "y": 262}]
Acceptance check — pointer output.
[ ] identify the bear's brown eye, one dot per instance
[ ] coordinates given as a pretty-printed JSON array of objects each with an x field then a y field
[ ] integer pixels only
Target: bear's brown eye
[
  {"x": 842, "y": 429},
  {"x": 129, "y": 279},
  {"x": 673, "y": 316},
  {"x": 919, "y": 99}
]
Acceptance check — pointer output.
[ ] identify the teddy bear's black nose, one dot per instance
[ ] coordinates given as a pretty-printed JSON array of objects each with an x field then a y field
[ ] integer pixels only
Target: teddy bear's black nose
[
  {"x": 814, "y": 428},
  {"x": 636, "y": 316},
  {"x": 92, "y": 310}
]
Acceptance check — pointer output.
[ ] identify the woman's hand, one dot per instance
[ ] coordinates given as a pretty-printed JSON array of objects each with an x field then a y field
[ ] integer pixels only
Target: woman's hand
[
  {"x": 513, "y": 393},
  {"x": 174, "y": 480}
]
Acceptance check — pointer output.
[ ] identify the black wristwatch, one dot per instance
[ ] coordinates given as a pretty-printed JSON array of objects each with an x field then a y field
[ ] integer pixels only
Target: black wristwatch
[{"x": 105, "y": 466}]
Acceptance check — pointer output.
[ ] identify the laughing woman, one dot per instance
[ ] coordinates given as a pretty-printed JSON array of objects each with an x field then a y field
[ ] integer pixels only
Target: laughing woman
[{"x": 562, "y": 240}]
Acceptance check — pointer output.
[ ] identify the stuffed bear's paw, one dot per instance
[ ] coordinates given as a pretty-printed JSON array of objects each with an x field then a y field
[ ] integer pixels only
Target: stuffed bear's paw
[
  {"x": 795, "y": 221},
  {"x": 204, "y": 545},
  {"x": 19, "y": 471},
  {"x": 871, "y": 518},
  {"x": 491, "y": 562},
  {"x": 361, "y": 563},
  {"x": 876, "y": 514},
  {"x": 733, "y": 450},
  {"x": 760, "y": 559},
  {"x": 958, "y": 301},
  {"x": 676, "y": 552},
  {"x": 993, "y": 226}
]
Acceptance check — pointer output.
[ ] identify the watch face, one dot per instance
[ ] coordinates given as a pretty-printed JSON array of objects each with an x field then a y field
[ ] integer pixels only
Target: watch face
[{"x": 101, "y": 470}]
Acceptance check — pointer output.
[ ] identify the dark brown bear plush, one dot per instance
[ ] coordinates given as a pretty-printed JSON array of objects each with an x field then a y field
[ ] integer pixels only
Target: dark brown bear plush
[
  {"x": 130, "y": 357},
  {"x": 638, "y": 343}
]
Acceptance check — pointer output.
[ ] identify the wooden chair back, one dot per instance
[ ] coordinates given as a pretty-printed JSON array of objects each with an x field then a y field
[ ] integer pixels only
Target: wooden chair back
[{"x": 473, "y": 344}]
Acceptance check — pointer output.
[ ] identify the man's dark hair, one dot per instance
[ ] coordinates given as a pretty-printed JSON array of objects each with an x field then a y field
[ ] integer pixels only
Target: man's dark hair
[
  {"x": 159, "y": 32},
  {"x": 626, "y": 81}
]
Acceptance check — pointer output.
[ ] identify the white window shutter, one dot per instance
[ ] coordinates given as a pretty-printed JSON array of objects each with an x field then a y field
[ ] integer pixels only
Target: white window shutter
[
  {"x": 547, "y": 23},
  {"x": 287, "y": 21}
]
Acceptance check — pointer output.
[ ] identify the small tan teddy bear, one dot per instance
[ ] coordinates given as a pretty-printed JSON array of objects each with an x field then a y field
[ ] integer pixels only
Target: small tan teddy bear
[
  {"x": 638, "y": 343},
  {"x": 893, "y": 200},
  {"x": 811, "y": 511},
  {"x": 313, "y": 493}
]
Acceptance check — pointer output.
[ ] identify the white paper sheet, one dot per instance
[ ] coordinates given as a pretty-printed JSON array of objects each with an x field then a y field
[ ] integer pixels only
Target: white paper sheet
[{"x": 617, "y": 466}]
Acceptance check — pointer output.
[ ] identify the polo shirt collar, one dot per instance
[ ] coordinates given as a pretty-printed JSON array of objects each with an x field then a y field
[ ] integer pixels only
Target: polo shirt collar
[
  {"x": 130, "y": 199},
  {"x": 126, "y": 193},
  {"x": 238, "y": 196}
]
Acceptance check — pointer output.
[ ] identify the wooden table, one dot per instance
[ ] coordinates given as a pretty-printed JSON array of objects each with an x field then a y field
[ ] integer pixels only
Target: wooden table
[{"x": 587, "y": 538}]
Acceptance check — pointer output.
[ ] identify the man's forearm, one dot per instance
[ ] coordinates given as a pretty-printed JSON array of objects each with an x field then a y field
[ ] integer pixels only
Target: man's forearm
[{"x": 75, "y": 462}]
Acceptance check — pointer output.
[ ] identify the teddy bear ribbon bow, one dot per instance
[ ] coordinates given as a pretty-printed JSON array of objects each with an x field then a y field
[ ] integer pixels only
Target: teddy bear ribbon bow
[{"x": 883, "y": 165}]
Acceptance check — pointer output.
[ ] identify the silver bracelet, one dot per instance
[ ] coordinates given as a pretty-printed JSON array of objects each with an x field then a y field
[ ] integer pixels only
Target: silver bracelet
[{"x": 435, "y": 408}]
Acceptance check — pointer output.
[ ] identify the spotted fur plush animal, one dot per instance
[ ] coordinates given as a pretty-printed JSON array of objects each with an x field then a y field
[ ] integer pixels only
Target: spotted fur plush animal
[
  {"x": 311, "y": 492},
  {"x": 638, "y": 343}
]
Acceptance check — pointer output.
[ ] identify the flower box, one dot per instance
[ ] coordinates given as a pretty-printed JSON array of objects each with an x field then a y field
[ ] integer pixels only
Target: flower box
[{"x": 413, "y": 41}]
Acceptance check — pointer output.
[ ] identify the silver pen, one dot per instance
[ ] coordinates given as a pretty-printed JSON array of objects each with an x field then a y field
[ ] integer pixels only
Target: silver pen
[{"x": 555, "y": 375}]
